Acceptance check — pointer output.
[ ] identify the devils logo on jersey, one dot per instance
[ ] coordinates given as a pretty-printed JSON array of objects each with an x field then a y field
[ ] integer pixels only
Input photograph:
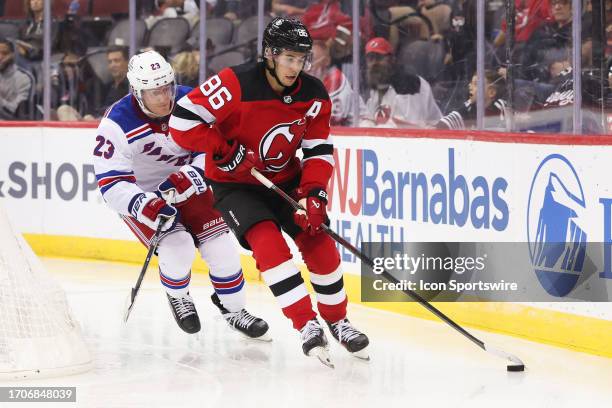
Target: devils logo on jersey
[{"x": 279, "y": 144}]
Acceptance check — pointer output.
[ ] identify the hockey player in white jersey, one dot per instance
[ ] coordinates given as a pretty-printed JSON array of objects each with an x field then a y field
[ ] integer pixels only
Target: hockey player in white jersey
[{"x": 138, "y": 167}]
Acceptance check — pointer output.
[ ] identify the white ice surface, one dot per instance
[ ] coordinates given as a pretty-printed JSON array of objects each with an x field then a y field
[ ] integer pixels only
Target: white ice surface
[{"x": 151, "y": 363}]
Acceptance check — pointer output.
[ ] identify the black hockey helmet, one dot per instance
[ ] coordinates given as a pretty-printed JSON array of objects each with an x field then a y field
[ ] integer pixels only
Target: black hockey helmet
[{"x": 286, "y": 34}]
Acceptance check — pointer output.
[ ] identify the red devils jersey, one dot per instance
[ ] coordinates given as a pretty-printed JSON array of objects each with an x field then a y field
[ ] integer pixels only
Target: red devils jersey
[{"x": 240, "y": 105}]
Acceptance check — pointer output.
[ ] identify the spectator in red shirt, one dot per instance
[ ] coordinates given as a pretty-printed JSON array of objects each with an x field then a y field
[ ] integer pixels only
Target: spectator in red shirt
[
  {"x": 530, "y": 15},
  {"x": 554, "y": 35}
]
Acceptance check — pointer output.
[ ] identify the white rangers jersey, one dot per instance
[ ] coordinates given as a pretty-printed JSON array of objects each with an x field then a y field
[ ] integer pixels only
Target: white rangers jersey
[{"x": 133, "y": 153}]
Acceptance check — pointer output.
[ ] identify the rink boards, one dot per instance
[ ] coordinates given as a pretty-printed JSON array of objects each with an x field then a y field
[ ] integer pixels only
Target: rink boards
[{"x": 388, "y": 185}]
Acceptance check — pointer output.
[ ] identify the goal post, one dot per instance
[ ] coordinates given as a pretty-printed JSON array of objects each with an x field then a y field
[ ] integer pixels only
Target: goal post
[{"x": 38, "y": 335}]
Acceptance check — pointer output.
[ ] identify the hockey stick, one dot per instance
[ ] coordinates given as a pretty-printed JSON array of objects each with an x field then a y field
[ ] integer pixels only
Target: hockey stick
[
  {"x": 145, "y": 266},
  {"x": 517, "y": 364}
]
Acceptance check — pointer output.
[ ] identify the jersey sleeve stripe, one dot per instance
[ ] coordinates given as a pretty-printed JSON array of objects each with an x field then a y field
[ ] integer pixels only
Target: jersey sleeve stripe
[
  {"x": 113, "y": 173},
  {"x": 183, "y": 124},
  {"x": 109, "y": 180},
  {"x": 310, "y": 143},
  {"x": 108, "y": 185},
  {"x": 138, "y": 136},
  {"x": 328, "y": 158},
  {"x": 186, "y": 109},
  {"x": 136, "y": 130},
  {"x": 453, "y": 120},
  {"x": 318, "y": 150},
  {"x": 184, "y": 112}
]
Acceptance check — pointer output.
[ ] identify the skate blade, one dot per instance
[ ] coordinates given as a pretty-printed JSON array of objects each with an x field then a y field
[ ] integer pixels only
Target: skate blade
[
  {"x": 362, "y": 354},
  {"x": 323, "y": 355},
  {"x": 264, "y": 337}
]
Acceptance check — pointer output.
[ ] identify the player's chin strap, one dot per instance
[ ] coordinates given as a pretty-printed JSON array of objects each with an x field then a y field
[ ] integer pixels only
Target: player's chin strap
[{"x": 272, "y": 72}]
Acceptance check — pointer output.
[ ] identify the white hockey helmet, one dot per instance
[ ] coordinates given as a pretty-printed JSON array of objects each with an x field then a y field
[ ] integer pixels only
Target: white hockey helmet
[{"x": 149, "y": 70}]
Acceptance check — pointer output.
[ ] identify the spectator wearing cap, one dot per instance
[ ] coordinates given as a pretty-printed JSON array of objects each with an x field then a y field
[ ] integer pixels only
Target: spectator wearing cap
[
  {"x": 394, "y": 99},
  {"x": 15, "y": 86}
]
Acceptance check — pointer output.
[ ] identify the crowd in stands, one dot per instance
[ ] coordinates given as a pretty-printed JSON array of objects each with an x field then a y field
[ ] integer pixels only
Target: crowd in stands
[{"x": 418, "y": 57}]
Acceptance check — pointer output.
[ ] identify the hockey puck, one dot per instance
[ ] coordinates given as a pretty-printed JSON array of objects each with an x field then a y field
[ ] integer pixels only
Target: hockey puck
[{"x": 516, "y": 367}]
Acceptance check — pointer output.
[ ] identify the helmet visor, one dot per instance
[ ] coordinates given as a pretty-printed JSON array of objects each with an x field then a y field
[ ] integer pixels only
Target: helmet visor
[
  {"x": 159, "y": 101},
  {"x": 164, "y": 91}
]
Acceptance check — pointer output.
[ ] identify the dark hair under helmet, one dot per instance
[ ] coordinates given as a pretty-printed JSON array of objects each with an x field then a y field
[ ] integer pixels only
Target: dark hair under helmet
[{"x": 289, "y": 34}]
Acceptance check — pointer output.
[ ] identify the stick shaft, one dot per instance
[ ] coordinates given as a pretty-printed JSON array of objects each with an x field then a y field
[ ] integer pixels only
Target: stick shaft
[
  {"x": 143, "y": 270},
  {"x": 364, "y": 258},
  {"x": 145, "y": 266}
]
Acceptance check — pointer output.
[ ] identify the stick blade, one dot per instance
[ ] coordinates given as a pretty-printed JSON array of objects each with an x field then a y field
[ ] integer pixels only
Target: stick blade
[
  {"x": 128, "y": 305},
  {"x": 516, "y": 363}
]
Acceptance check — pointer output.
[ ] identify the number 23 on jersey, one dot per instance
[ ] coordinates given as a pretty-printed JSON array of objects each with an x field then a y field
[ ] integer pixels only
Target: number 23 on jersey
[{"x": 104, "y": 148}]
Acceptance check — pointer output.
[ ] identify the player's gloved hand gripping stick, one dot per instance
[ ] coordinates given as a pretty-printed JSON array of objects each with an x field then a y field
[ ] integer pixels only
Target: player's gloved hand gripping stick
[
  {"x": 152, "y": 247},
  {"x": 312, "y": 213},
  {"x": 234, "y": 158},
  {"x": 516, "y": 363}
]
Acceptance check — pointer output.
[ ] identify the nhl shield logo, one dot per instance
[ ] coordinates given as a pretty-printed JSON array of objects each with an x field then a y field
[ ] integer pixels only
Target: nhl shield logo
[{"x": 287, "y": 99}]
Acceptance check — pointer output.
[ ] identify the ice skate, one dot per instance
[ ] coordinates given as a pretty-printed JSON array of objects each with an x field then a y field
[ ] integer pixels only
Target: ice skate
[
  {"x": 350, "y": 338},
  {"x": 185, "y": 313},
  {"x": 314, "y": 342},
  {"x": 243, "y": 322}
]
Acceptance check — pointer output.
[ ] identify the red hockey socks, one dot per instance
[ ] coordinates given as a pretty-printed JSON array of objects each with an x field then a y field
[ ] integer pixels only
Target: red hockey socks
[
  {"x": 323, "y": 261},
  {"x": 273, "y": 259}
]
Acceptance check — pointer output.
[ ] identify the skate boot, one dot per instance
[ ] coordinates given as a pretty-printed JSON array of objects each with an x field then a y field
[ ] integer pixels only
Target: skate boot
[
  {"x": 243, "y": 322},
  {"x": 350, "y": 338},
  {"x": 314, "y": 342},
  {"x": 185, "y": 313}
]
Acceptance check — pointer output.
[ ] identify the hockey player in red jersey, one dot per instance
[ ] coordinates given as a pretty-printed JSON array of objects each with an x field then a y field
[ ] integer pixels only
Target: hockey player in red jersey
[
  {"x": 258, "y": 115},
  {"x": 138, "y": 167}
]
